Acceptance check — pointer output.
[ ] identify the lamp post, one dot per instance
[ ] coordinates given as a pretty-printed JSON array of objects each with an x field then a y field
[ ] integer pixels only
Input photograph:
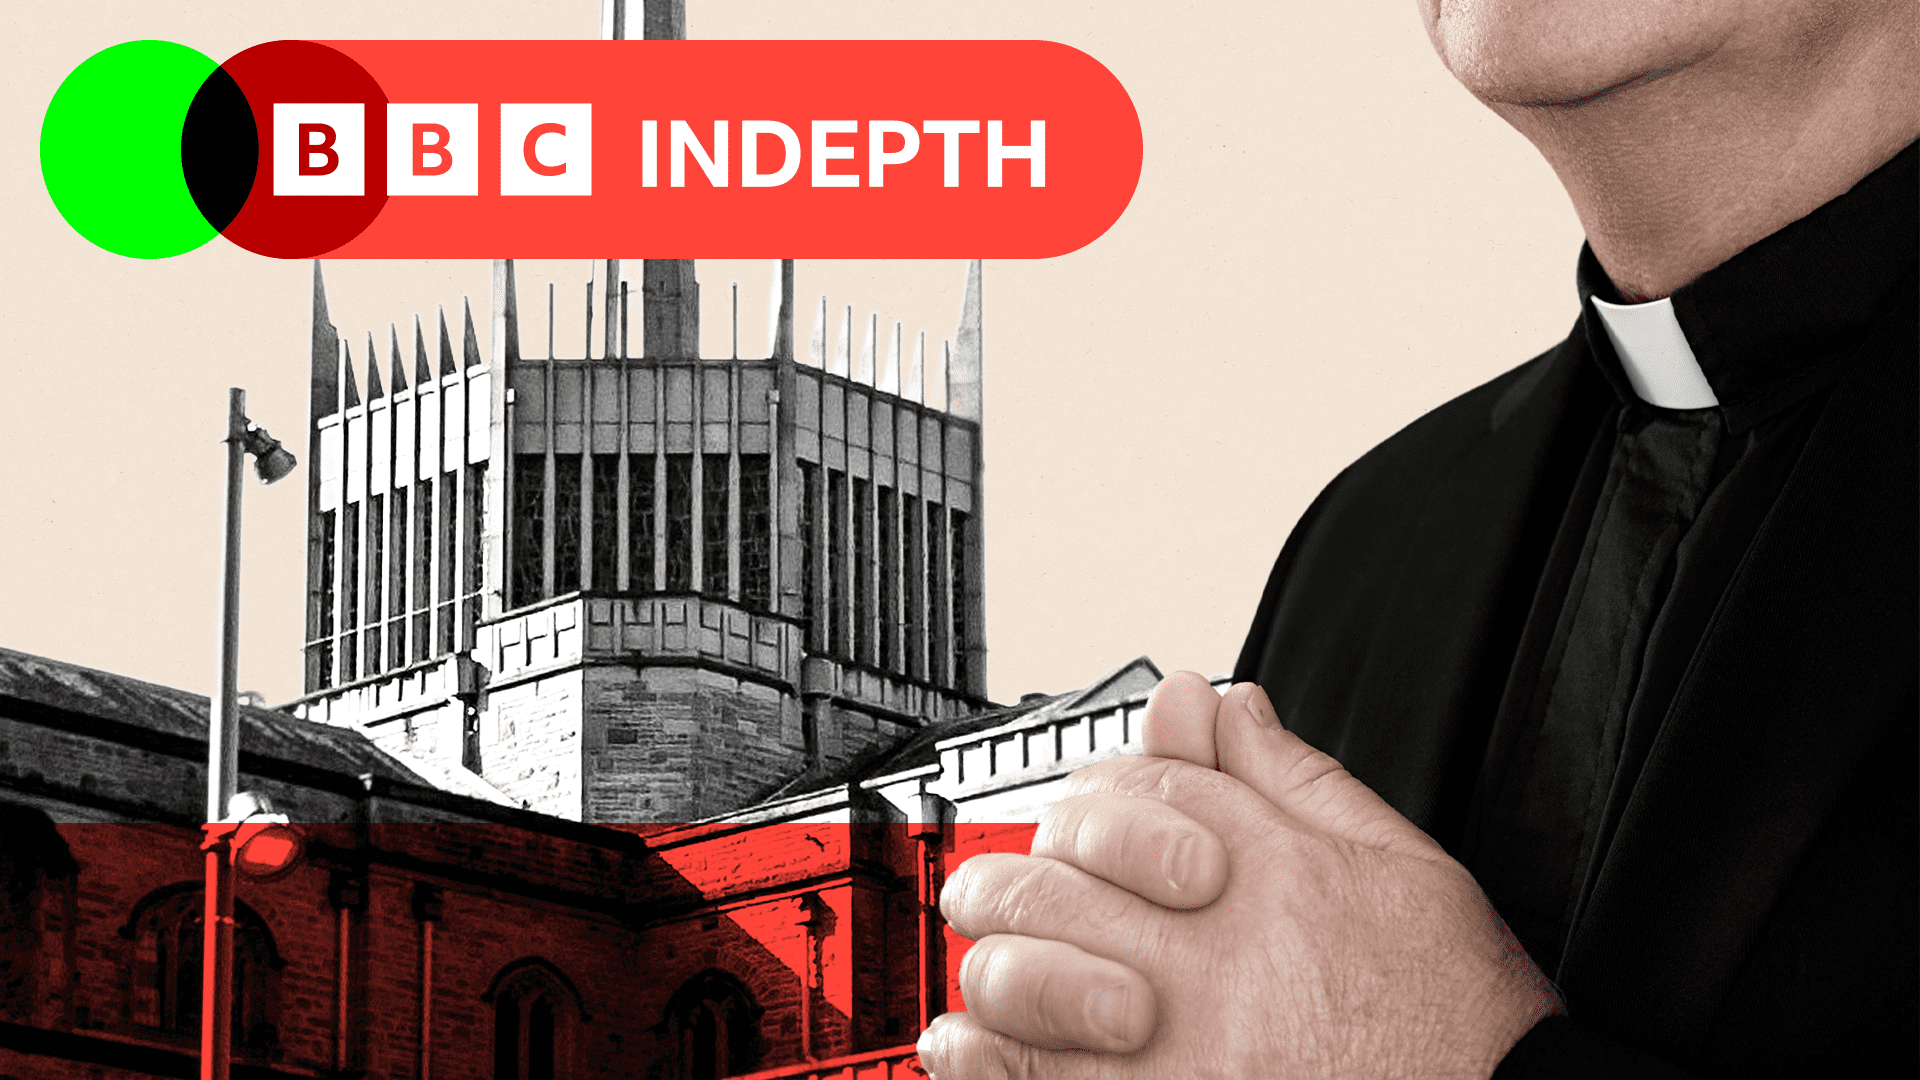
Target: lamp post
[{"x": 235, "y": 826}]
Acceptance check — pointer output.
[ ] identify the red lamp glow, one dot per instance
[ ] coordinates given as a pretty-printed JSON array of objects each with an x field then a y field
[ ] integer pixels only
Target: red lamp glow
[
  {"x": 271, "y": 850},
  {"x": 265, "y": 845}
]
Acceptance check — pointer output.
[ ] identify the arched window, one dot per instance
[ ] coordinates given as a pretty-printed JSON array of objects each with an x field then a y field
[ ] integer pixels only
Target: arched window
[
  {"x": 536, "y": 1011},
  {"x": 715, "y": 1023},
  {"x": 168, "y": 935}
]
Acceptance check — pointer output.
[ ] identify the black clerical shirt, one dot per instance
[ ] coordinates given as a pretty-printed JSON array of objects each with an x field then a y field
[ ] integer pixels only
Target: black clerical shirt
[{"x": 1649, "y": 673}]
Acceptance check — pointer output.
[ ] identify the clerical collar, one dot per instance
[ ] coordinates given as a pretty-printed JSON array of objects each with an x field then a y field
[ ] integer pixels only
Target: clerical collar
[
  {"x": 1779, "y": 321},
  {"x": 1654, "y": 352}
]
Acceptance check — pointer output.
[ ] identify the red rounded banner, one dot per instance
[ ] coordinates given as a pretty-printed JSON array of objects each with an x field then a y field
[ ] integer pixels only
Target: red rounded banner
[{"x": 726, "y": 149}]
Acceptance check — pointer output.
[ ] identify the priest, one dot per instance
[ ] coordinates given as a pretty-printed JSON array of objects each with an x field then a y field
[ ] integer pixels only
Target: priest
[{"x": 1575, "y": 733}]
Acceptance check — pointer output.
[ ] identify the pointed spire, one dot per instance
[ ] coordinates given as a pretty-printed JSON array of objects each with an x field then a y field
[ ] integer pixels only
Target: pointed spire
[
  {"x": 373, "y": 370},
  {"x": 864, "y": 373},
  {"x": 446, "y": 348},
  {"x": 350, "y": 390},
  {"x": 320, "y": 316},
  {"x": 469, "y": 341},
  {"x": 817, "y": 344},
  {"x": 916, "y": 383},
  {"x": 324, "y": 385},
  {"x": 889, "y": 379},
  {"x": 844, "y": 354},
  {"x": 397, "y": 379},
  {"x": 506, "y": 315},
  {"x": 945, "y": 379},
  {"x": 586, "y": 337},
  {"x": 890, "y": 375},
  {"x": 422, "y": 370},
  {"x": 963, "y": 366}
]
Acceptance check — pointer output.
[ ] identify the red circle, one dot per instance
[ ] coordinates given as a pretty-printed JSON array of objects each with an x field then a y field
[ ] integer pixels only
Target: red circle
[{"x": 288, "y": 226}]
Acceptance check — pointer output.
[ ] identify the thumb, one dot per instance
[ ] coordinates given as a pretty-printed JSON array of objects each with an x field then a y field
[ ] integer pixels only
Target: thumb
[
  {"x": 1305, "y": 783},
  {"x": 1180, "y": 718}
]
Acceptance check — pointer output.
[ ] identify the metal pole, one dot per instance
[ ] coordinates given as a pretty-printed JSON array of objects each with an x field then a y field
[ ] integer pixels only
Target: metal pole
[
  {"x": 216, "y": 984},
  {"x": 223, "y": 745},
  {"x": 223, "y": 766}
]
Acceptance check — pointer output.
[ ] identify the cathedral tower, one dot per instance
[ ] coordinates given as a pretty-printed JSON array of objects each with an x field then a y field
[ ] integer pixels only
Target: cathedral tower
[{"x": 641, "y": 584}]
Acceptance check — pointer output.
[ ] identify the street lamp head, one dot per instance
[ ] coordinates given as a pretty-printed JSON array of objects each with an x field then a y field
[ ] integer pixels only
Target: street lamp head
[
  {"x": 275, "y": 466},
  {"x": 265, "y": 845},
  {"x": 270, "y": 851},
  {"x": 271, "y": 461}
]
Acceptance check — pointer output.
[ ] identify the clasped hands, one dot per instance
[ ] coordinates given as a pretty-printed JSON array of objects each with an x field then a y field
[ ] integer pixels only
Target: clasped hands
[{"x": 1234, "y": 904}]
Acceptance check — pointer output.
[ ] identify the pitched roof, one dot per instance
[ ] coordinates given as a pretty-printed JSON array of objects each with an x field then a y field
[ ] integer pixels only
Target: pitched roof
[
  {"x": 1129, "y": 682},
  {"x": 101, "y": 694}
]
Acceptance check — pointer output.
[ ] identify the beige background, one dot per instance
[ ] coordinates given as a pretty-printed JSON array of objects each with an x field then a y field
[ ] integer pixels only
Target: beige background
[{"x": 1329, "y": 238}]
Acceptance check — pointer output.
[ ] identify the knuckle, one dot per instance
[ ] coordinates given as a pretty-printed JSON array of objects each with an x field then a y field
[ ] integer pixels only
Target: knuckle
[
  {"x": 969, "y": 975},
  {"x": 1184, "y": 783},
  {"x": 1060, "y": 825},
  {"x": 1127, "y": 774},
  {"x": 968, "y": 897},
  {"x": 1043, "y": 900}
]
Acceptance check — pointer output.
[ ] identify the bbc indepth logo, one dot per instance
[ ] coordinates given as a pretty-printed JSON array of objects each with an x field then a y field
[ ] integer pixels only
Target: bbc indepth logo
[{"x": 467, "y": 149}]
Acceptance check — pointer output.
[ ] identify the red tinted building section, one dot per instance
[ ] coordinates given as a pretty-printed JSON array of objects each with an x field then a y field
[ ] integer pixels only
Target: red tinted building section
[{"x": 426, "y": 933}]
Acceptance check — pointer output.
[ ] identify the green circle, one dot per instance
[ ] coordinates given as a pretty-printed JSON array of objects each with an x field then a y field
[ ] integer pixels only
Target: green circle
[{"x": 110, "y": 149}]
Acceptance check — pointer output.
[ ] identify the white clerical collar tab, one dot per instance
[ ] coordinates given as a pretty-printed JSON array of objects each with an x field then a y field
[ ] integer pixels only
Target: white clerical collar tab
[{"x": 1654, "y": 351}]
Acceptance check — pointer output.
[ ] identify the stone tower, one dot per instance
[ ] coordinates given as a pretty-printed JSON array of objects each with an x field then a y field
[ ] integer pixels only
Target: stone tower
[{"x": 641, "y": 585}]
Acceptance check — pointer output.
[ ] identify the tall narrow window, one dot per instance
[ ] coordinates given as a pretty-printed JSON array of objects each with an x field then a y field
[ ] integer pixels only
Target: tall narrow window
[
  {"x": 566, "y": 523},
  {"x": 756, "y": 532},
  {"x": 937, "y": 607},
  {"x": 809, "y": 546},
  {"x": 376, "y": 581},
  {"x": 534, "y": 1015},
  {"x": 640, "y": 520},
  {"x": 713, "y": 525},
  {"x": 957, "y": 549},
  {"x": 398, "y": 560},
  {"x": 350, "y": 606},
  {"x": 889, "y": 581},
  {"x": 913, "y": 575},
  {"x": 529, "y": 526},
  {"x": 839, "y": 640},
  {"x": 322, "y": 646},
  {"x": 473, "y": 565},
  {"x": 863, "y": 611},
  {"x": 449, "y": 558},
  {"x": 717, "y": 1023},
  {"x": 606, "y": 521},
  {"x": 679, "y": 522},
  {"x": 423, "y": 544}
]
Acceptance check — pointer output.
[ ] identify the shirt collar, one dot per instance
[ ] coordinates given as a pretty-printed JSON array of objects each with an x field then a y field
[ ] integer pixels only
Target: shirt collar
[
  {"x": 1780, "y": 319},
  {"x": 1654, "y": 354}
]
